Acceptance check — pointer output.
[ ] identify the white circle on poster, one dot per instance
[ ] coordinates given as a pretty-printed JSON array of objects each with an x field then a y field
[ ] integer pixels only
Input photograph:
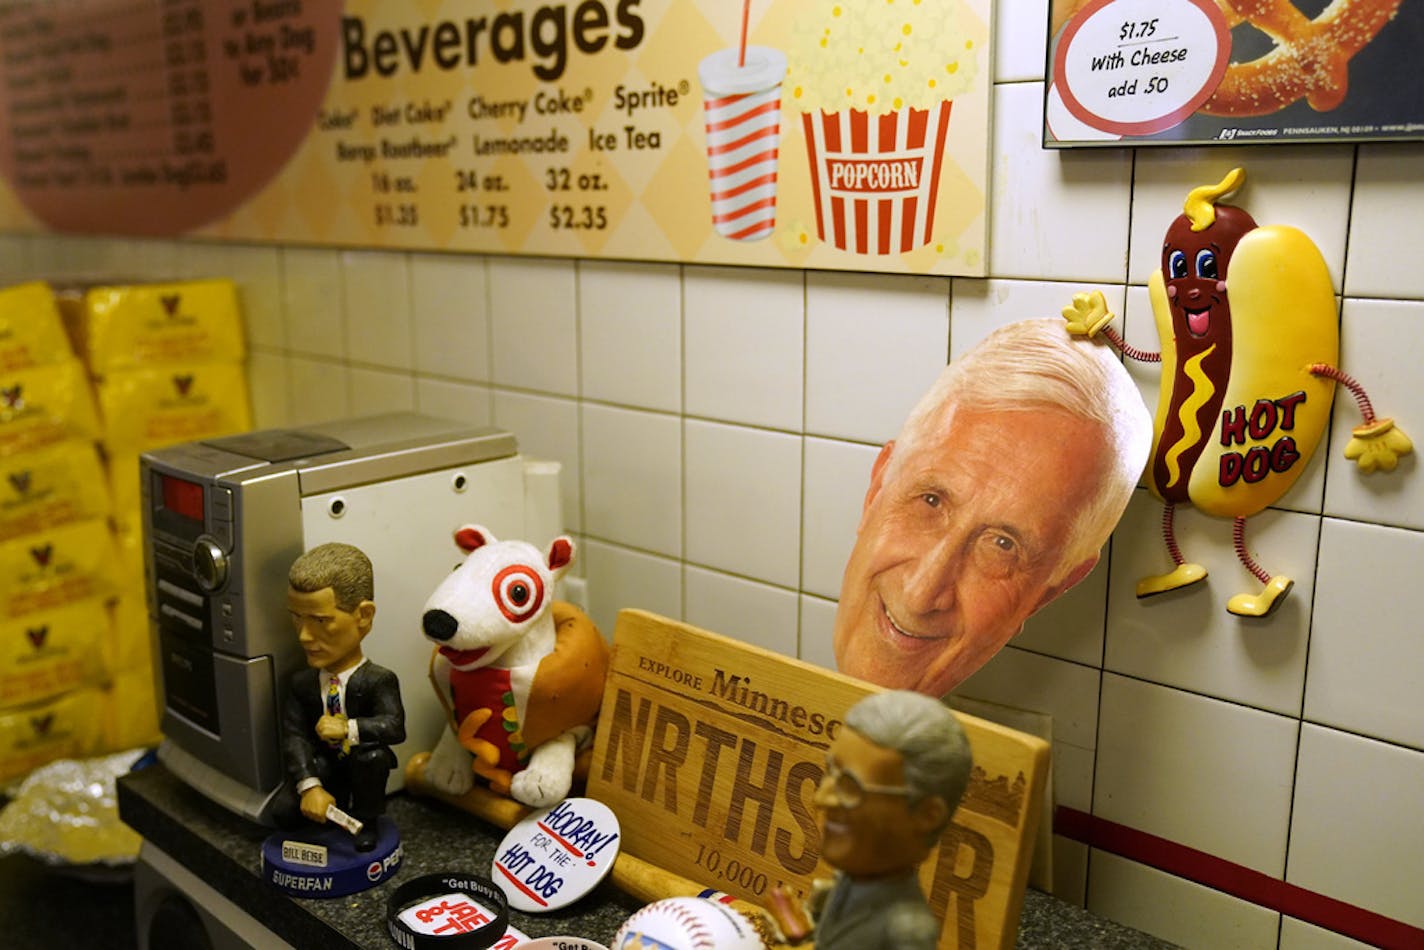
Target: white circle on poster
[
  {"x": 1137, "y": 67},
  {"x": 557, "y": 855},
  {"x": 1066, "y": 127}
]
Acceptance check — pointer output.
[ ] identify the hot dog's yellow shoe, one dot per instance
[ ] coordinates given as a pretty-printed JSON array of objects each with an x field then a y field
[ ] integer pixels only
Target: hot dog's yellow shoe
[
  {"x": 1185, "y": 575},
  {"x": 1263, "y": 604}
]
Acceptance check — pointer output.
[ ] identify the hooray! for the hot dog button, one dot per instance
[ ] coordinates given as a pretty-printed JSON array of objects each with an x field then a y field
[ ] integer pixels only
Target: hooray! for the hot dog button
[{"x": 555, "y": 856}]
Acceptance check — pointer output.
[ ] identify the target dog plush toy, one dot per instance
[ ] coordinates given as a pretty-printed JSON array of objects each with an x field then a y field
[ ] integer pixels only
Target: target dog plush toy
[
  {"x": 521, "y": 676},
  {"x": 1247, "y": 318}
]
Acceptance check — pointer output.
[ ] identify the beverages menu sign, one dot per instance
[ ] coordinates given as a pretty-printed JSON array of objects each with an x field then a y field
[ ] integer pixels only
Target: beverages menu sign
[{"x": 800, "y": 133}]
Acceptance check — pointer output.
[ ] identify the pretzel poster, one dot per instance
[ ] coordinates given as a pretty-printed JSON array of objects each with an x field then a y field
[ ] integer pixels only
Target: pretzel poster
[
  {"x": 773, "y": 133},
  {"x": 1199, "y": 72}
]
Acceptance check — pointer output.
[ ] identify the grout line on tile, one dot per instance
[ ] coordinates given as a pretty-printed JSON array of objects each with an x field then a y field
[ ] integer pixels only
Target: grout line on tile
[
  {"x": 682, "y": 448},
  {"x": 578, "y": 385}
]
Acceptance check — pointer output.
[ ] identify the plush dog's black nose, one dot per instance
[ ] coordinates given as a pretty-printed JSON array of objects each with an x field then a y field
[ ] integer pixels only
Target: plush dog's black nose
[{"x": 439, "y": 625}]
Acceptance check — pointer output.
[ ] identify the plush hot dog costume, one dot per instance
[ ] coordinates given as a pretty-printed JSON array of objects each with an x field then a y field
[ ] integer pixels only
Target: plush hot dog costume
[{"x": 1250, "y": 342}]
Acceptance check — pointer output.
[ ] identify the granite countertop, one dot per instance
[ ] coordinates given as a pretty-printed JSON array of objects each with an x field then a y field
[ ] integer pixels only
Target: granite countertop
[{"x": 225, "y": 850}]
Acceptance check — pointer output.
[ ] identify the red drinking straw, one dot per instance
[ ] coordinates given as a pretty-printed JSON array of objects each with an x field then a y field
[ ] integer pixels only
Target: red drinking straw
[{"x": 742, "y": 52}]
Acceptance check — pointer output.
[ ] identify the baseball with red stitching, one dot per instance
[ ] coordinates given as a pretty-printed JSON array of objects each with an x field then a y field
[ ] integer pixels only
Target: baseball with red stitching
[{"x": 687, "y": 923}]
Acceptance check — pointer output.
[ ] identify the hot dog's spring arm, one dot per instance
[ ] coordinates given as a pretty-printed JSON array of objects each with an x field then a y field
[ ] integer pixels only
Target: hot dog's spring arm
[
  {"x": 1367, "y": 409},
  {"x": 1375, "y": 443},
  {"x": 1131, "y": 352}
]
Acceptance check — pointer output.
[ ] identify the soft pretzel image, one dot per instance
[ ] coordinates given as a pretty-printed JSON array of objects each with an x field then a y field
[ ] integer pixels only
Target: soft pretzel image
[
  {"x": 1311, "y": 59},
  {"x": 1247, "y": 319}
]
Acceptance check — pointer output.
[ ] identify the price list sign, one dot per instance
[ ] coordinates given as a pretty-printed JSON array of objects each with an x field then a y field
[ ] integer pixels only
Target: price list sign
[
  {"x": 150, "y": 118},
  {"x": 1145, "y": 72},
  {"x": 757, "y": 133}
]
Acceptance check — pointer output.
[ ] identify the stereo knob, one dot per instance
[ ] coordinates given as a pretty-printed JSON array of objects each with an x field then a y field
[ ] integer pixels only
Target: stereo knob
[{"x": 209, "y": 564}]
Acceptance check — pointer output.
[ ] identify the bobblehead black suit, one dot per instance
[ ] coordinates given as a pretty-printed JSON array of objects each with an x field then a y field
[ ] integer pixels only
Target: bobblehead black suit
[{"x": 356, "y": 780}]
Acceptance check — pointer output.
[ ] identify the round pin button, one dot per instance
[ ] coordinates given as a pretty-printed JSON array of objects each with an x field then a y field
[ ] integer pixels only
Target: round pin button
[{"x": 557, "y": 855}]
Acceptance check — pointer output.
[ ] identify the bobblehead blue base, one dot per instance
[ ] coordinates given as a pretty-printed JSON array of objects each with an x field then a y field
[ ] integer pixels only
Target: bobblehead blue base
[{"x": 347, "y": 870}]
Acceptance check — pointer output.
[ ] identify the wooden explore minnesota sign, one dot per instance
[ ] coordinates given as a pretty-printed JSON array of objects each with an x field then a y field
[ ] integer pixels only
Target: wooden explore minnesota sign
[{"x": 709, "y": 751}]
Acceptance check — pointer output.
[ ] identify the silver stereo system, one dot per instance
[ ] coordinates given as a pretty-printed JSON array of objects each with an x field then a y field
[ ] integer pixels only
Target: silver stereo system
[{"x": 224, "y": 519}]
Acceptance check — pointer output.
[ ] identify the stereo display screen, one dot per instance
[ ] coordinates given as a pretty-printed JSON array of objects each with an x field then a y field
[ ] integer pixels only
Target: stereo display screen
[{"x": 182, "y": 497}]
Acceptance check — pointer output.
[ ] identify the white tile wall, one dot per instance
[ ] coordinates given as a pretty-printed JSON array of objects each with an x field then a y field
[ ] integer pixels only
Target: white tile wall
[
  {"x": 716, "y": 426},
  {"x": 736, "y": 607},
  {"x": 258, "y": 274},
  {"x": 632, "y": 477},
  {"x": 463, "y": 402},
  {"x": 1299, "y": 935},
  {"x": 1186, "y": 638},
  {"x": 374, "y": 391},
  {"x": 1356, "y": 833},
  {"x": 267, "y": 386},
  {"x": 548, "y": 428},
  {"x": 1181, "y": 911},
  {"x": 378, "y": 314},
  {"x": 140, "y": 258},
  {"x": 1380, "y": 345},
  {"x": 738, "y": 481},
  {"x": 533, "y": 316},
  {"x": 1055, "y": 215},
  {"x": 1068, "y": 692},
  {"x": 313, "y": 301},
  {"x": 319, "y": 390},
  {"x": 1072, "y": 626},
  {"x": 450, "y": 311},
  {"x": 836, "y": 475},
  {"x": 1019, "y": 35},
  {"x": 630, "y": 334},
  {"x": 1385, "y": 224},
  {"x": 874, "y": 343},
  {"x": 1208, "y": 774},
  {"x": 1366, "y": 652},
  {"x": 745, "y": 344},
  {"x": 15, "y": 259},
  {"x": 620, "y": 577},
  {"x": 980, "y": 307},
  {"x": 818, "y": 617}
]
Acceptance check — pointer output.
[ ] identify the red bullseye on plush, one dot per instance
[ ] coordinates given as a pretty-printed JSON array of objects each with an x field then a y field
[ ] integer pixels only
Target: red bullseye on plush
[{"x": 518, "y": 592}]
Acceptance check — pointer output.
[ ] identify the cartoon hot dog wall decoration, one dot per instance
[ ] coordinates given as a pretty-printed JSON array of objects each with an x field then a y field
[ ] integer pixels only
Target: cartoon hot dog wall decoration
[{"x": 1250, "y": 344}]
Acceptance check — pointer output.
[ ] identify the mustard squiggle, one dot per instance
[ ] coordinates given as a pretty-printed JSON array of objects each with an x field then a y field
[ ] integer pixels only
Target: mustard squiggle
[{"x": 1202, "y": 391}]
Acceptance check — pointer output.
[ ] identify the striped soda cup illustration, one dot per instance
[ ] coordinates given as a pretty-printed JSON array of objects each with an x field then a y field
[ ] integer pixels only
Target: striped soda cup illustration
[{"x": 742, "y": 113}]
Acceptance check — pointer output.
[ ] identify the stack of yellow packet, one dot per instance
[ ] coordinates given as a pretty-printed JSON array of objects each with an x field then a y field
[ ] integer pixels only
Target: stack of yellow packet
[
  {"x": 67, "y": 727},
  {"x": 57, "y": 578},
  {"x": 51, "y": 485},
  {"x": 50, "y": 652},
  {"x": 44, "y": 396},
  {"x": 31, "y": 333},
  {"x": 167, "y": 365}
]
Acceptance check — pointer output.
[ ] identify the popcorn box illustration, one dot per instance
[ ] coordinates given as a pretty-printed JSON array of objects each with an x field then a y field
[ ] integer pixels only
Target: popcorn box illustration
[{"x": 875, "y": 85}]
